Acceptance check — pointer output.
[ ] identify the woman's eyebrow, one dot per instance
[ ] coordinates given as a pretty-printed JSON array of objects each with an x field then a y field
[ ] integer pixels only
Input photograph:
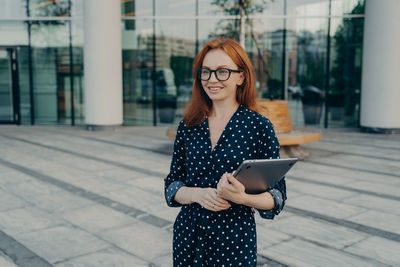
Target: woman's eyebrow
[{"x": 222, "y": 66}]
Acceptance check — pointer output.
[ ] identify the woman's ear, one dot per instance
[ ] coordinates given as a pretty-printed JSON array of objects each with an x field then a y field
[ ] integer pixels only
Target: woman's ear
[{"x": 240, "y": 79}]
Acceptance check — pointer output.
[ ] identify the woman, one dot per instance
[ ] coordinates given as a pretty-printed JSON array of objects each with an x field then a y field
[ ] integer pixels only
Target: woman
[{"x": 220, "y": 129}]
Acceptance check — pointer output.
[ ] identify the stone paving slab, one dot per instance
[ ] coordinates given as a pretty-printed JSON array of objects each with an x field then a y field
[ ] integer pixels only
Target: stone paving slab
[
  {"x": 99, "y": 184},
  {"x": 357, "y": 149},
  {"x": 28, "y": 219},
  {"x": 9, "y": 201},
  {"x": 297, "y": 252},
  {"x": 61, "y": 242},
  {"x": 141, "y": 239},
  {"x": 326, "y": 192},
  {"x": 323, "y": 206},
  {"x": 375, "y": 203},
  {"x": 106, "y": 257},
  {"x": 321, "y": 173},
  {"x": 344, "y": 176},
  {"x": 381, "y": 249},
  {"x": 104, "y": 193},
  {"x": 6, "y": 261},
  {"x": 58, "y": 202},
  {"x": 363, "y": 163},
  {"x": 33, "y": 188},
  {"x": 268, "y": 236},
  {"x": 320, "y": 232},
  {"x": 97, "y": 218},
  {"x": 377, "y": 187},
  {"x": 380, "y": 220}
]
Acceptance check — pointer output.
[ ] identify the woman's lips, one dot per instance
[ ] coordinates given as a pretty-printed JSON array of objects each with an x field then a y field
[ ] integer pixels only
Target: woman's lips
[{"x": 214, "y": 89}]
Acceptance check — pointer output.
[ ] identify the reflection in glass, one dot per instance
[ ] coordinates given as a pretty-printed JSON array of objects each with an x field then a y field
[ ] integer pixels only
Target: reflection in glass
[
  {"x": 347, "y": 7},
  {"x": 175, "y": 8},
  {"x": 78, "y": 71},
  {"x": 175, "y": 52},
  {"x": 213, "y": 7},
  {"x": 345, "y": 83},
  {"x": 137, "y": 61},
  {"x": 13, "y": 33},
  {"x": 13, "y": 9},
  {"x": 23, "y": 82},
  {"x": 307, "y": 48},
  {"x": 50, "y": 59},
  {"x": 264, "y": 45},
  {"x": 76, "y": 8},
  {"x": 137, "y": 8},
  {"x": 6, "y": 86},
  {"x": 304, "y": 8},
  {"x": 45, "y": 8}
]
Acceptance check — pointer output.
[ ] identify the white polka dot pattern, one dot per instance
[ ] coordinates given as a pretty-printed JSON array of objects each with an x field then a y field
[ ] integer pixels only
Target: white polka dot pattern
[{"x": 225, "y": 238}]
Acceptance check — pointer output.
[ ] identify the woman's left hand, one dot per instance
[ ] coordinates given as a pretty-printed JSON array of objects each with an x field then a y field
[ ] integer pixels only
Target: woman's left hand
[{"x": 230, "y": 188}]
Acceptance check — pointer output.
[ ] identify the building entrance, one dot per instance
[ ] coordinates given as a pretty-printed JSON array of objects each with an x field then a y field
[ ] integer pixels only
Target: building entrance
[{"x": 9, "y": 102}]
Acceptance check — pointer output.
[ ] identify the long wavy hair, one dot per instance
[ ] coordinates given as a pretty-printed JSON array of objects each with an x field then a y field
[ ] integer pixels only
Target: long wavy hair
[{"x": 200, "y": 105}]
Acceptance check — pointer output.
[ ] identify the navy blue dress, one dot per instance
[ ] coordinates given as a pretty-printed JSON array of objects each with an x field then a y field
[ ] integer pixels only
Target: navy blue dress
[{"x": 226, "y": 238}]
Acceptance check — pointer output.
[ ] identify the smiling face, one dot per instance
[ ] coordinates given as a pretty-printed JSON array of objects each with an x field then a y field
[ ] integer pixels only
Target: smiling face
[{"x": 221, "y": 90}]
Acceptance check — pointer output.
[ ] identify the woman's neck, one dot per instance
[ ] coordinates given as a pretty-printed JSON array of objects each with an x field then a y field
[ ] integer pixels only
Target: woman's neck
[{"x": 223, "y": 109}]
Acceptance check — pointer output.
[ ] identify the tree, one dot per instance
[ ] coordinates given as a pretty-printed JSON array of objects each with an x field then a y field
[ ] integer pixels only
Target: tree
[{"x": 346, "y": 70}]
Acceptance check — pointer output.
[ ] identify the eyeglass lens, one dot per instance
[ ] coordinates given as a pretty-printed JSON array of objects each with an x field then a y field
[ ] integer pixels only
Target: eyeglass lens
[{"x": 221, "y": 74}]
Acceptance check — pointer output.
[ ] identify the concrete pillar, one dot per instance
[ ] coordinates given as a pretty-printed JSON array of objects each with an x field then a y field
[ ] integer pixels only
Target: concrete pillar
[
  {"x": 380, "y": 94},
  {"x": 103, "y": 62}
]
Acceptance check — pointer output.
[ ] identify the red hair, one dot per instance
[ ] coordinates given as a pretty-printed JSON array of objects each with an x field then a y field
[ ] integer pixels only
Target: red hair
[{"x": 200, "y": 105}]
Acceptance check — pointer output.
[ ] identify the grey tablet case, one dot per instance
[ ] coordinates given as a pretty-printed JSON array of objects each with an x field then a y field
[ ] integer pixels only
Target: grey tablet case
[{"x": 260, "y": 174}]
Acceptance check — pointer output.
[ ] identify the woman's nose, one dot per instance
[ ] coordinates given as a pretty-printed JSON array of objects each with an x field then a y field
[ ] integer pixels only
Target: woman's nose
[{"x": 213, "y": 77}]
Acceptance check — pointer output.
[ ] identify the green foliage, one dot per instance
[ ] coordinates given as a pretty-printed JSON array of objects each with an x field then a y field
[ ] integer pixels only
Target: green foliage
[
  {"x": 181, "y": 66},
  {"x": 346, "y": 69},
  {"x": 231, "y": 28}
]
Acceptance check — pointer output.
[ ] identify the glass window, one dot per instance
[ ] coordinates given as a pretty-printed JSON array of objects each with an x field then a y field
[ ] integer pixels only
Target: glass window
[
  {"x": 137, "y": 58},
  {"x": 231, "y": 7},
  {"x": 13, "y": 9},
  {"x": 175, "y": 52},
  {"x": 137, "y": 8},
  {"x": 6, "y": 86},
  {"x": 78, "y": 71},
  {"x": 218, "y": 7},
  {"x": 347, "y": 7},
  {"x": 302, "y": 8},
  {"x": 306, "y": 52},
  {"x": 212, "y": 28},
  {"x": 23, "y": 82},
  {"x": 345, "y": 73},
  {"x": 13, "y": 33},
  {"x": 50, "y": 59},
  {"x": 45, "y": 8},
  {"x": 175, "y": 7},
  {"x": 77, "y": 8},
  {"x": 264, "y": 45},
  {"x": 266, "y": 7}
]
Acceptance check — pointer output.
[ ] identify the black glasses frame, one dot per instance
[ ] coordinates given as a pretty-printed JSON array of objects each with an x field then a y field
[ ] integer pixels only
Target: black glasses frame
[{"x": 216, "y": 75}]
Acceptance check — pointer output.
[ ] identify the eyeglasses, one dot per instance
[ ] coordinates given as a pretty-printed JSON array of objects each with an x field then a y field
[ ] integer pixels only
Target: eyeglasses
[{"x": 222, "y": 74}]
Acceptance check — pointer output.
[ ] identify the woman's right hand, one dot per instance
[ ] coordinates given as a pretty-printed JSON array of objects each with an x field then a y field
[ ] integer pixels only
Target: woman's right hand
[{"x": 208, "y": 199}]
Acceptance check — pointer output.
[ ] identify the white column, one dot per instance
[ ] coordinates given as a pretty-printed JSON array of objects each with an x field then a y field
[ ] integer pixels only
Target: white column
[
  {"x": 103, "y": 62},
  {"x": 380, "y": 94}
]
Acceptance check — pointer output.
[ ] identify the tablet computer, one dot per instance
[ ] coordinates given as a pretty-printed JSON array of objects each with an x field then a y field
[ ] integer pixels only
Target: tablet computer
[{"x": 258, "y": 175}]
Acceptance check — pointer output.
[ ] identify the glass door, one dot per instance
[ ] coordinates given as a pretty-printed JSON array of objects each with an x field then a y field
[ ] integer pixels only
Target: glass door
[{"x": 8, "y": 87}]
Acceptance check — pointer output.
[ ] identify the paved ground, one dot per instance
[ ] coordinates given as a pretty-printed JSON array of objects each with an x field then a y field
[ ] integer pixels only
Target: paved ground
[{"x": 70, "y": 197}]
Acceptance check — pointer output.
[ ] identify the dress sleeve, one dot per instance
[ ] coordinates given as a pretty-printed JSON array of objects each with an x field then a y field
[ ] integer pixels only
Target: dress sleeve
[
  {"x": 269, "y": 149},
  {"x": 177, "y": 174}
]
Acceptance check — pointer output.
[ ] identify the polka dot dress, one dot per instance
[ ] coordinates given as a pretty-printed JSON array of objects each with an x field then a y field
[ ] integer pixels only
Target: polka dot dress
[{"x": 225, "y": 238}]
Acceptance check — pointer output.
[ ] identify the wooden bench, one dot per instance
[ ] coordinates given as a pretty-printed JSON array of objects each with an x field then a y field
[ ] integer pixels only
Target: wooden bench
[{"x": 289, "y": 137}]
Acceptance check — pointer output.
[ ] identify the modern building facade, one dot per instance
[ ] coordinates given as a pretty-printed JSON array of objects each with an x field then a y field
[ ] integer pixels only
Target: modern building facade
[{"x": 112, "y": 62}]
